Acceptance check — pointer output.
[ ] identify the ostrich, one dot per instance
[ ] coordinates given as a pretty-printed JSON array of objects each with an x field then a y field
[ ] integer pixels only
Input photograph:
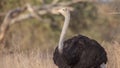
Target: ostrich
[{"x": 78, "y": 51}]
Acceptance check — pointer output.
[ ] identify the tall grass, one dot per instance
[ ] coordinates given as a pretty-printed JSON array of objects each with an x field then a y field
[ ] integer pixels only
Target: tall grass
[
  {"x": 44, "y": 60},
  {"x": 22, "y": 60},
  {"x": 113, "y": 51}
]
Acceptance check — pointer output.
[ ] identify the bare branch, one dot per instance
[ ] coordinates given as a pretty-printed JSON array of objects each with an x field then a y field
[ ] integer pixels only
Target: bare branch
[
  {"x": 114, "y": 13},
  {"x": 55, "y": 1},
  {"x": 9, "y": 16},
  {"x": 18, "y": 14},
  {"x": 42, "y": 1},
  {"x": 33, "y": 12}
]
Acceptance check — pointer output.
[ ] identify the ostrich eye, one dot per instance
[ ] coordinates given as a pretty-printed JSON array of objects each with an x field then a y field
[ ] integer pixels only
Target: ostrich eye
[{"x": 64, "y": 9}]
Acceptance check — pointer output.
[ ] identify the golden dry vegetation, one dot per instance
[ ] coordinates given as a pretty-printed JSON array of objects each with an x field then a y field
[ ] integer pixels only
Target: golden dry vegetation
[
  {"x": 30, "y": 43},
  {"x": 36, "y": 59}
]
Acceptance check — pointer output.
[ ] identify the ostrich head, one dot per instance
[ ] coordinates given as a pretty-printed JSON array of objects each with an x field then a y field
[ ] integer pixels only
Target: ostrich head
[{"x": 65, "y": 12}]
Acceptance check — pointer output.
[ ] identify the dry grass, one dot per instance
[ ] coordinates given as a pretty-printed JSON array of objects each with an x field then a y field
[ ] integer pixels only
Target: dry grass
[
  {"x": 26, "y": 61},
  {"x": 113, "y": 51},
  {"x": 39, "y": 60}
]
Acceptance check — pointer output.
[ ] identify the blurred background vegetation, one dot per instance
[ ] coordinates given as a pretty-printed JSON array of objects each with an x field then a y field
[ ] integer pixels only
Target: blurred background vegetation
[{"x": 92, "y": 19}]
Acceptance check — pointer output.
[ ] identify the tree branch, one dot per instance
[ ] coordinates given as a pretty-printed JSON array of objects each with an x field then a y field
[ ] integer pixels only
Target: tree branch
[{"x": 18, "y": 14}]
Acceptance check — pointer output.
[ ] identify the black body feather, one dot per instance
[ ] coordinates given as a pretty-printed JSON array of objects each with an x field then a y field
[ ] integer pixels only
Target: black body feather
[{"x": 80, "y": 52}]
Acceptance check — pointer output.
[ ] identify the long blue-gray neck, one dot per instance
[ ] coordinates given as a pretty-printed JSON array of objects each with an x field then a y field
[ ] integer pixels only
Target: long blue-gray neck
[{"x": 64, "y": 30}]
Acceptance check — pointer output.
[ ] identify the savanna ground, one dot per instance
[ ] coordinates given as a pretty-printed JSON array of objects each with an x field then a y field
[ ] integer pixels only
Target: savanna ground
[
  {"x": 30, "y": 43},
  {"x": 36, "y": 59},
  {"x": 33, "y": 60}
]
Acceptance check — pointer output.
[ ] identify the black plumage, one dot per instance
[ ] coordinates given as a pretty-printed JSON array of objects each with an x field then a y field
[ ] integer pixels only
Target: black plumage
[{"x": 80, "y": 52}]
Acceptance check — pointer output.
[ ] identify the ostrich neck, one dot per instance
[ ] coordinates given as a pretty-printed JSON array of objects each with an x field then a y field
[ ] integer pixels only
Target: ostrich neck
[{"x": 64, "y": 30}]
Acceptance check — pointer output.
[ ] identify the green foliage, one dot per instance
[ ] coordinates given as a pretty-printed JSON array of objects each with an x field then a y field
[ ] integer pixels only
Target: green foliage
[{"x": 44, "y": 35}]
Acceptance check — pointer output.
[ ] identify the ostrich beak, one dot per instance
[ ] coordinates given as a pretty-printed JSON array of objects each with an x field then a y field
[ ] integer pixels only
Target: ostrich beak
[{"x": 56, "y": 11}]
